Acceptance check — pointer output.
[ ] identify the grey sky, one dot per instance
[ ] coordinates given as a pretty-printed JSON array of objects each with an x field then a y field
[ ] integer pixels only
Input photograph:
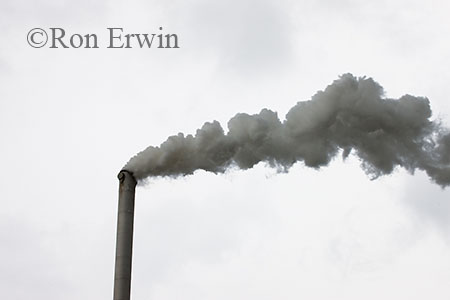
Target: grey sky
[{"x": 70, "y": 119}]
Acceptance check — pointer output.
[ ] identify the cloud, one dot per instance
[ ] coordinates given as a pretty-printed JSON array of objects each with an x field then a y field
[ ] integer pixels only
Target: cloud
[{"x": 246, "y": 38}]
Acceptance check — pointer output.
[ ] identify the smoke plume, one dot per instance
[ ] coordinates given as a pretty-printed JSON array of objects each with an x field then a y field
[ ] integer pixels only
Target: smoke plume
[{"x": 351, "y": 114}]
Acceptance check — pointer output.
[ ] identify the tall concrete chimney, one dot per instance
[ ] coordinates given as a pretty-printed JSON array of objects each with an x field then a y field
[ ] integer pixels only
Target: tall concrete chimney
[{"x": 124, "y": 240}]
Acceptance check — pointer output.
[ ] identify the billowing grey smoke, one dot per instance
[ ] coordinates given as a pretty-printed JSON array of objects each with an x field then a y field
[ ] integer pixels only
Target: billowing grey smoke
[{"x": 350, "y": 114}]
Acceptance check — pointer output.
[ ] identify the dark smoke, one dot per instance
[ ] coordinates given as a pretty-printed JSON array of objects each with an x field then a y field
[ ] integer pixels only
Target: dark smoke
[{"x": 351, "y": 114}]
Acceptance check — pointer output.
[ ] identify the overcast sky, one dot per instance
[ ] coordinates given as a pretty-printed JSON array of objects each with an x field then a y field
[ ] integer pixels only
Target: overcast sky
[{"x": 71, "y": 118}]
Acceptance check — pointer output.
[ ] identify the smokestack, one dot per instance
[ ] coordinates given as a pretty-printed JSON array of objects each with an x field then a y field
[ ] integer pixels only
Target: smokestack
[{"x": 124, "y": 240}]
